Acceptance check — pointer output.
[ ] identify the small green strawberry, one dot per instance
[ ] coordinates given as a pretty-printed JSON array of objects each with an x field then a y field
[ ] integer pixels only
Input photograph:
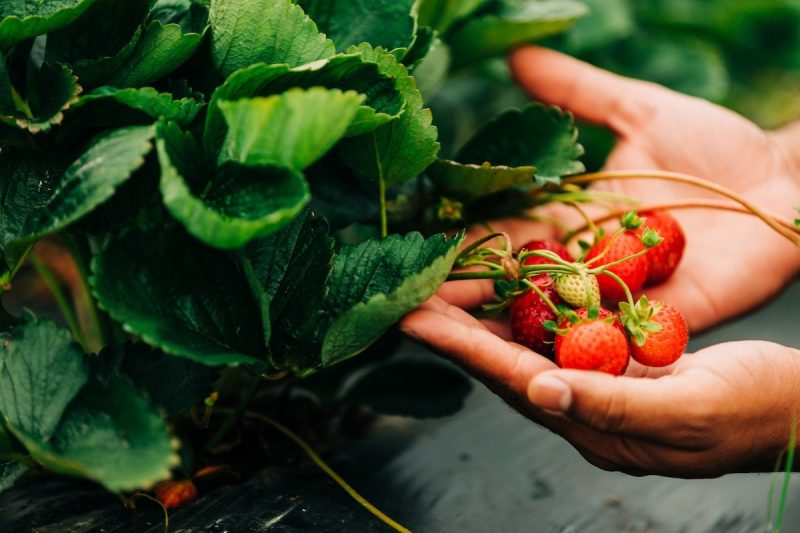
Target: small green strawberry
[{"x": 579, "y": 291}]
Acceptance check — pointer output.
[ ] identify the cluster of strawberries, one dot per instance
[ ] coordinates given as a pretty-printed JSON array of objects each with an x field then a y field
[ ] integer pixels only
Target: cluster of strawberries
[{"x": 560, "y": 315}]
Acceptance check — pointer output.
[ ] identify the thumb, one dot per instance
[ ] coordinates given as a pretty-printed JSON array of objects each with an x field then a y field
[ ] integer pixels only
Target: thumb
[
  {"x": 590, "y": 93},
  {"x": 634, "y": 407}
]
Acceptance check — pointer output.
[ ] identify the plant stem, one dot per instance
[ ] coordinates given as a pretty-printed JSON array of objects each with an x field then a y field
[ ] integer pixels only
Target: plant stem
[
  {"x": 622, "y": 284},
  {"x": 464, "y": 276},
  {"x": 382, "y": 191},
  {"x": 63, "y": 302},
  {"x": 535, "y": 288},
  {"x": 670, "y": 206},
  {"x": 234, "y": 414},
  {"x": 82, "y": 255},
  {"x": 689, "y": 180},
  {"x": 314, "y": 456}
]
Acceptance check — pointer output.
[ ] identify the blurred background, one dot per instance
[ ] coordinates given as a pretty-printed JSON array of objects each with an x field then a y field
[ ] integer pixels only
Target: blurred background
[{"x": 742, "y": 54}]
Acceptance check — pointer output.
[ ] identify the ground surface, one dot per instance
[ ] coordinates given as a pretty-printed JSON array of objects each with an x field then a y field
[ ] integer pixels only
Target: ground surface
[{"x": 484, "y": 470}]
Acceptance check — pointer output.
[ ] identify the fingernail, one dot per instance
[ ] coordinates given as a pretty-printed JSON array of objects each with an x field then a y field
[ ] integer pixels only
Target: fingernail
[{"x": 550, "y": 394}]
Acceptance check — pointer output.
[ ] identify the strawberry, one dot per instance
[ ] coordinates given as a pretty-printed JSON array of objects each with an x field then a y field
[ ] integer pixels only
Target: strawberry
[
  {"x": 529, "y": 311},
  {"x": 664, "y": 258},
  {"x": 593, "y": 344},
  {"x": 573, "y": 289},
  {"x": 633, "y": 272},
  {"x": 660, "y": 334},
  {"x": 172, "y": 494},
  {"x": 548, "y": 244}
]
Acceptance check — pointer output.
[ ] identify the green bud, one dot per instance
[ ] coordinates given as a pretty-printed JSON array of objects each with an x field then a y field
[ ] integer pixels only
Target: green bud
[
  {"x": 631, "y": 220},
  {"x": 651, "y": 238}
]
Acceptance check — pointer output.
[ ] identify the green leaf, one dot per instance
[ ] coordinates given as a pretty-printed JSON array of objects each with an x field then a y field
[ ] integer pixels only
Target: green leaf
[
  {"x": 608, "y": 21},
  {"x": 92, "y": 179},
  {"x": 376, "y": 283},
  {"x": 160, "y": 50},
  {"x": 470, "y": 182},
  {"x": 94, "y": 45},
  {"x": 422, "y": 389},
  {"x": 538, "y": 136},
  {"x": 292, "y": 266},
  {"x": 147, "y": 100},
  {"x": 51, "y": 91},
  {"x": 41, "y": 371},
  {"x": 27, "y": 181},
  {"x": 389, "y": 24},
  {"x": 403, "y": 148},
  {"x": 183, "y": 297},
  {"x": 441, "y": 14},
  {"x": 239, "y": 204},
  {"x": 20, "y": 19},
  {"x": 346, "y": 72},
  {"x": 515, "y": 22},
  {"x": 431, "y": 71},
  {"x": 10, "y": 472},
  {"x": 171, "y": 383},
  {"x": 245, "y": 32},
  {"x": 112, "y": 435},
  {"x": 292, "y": 129}
]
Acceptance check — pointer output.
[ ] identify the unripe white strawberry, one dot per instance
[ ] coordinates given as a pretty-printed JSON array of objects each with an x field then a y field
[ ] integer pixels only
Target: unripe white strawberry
[{"x": 579, "y": 291}]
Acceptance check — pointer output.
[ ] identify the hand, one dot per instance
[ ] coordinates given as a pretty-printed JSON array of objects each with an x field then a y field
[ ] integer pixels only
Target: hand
[
  {"x": 732, "y": 262},
  {"x": 724, "y": 409}
]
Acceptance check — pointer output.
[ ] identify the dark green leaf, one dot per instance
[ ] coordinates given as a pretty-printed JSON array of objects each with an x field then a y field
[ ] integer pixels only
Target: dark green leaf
[
  {"x": 470, "y": 182},
  {"x": 403, "y": 148},
  {"x": 92, "y": 179},
  {"x": 22, "y": 19},
  {"x": 239, "y": 204},
  {"x": 292, "y": 129},
  {"x": 538, "y": 136},
  {"x": 183, "y": 297},
  {"x": 385, "y": 23},
  {"x": 515, "y": 22},
  {"x": 112, "y": 435},
  {"x": 346, "y": 72},
  {"x": 374, "y": 284},
  {"x": 245, "y": 32},
  {"x": 50, "y": 92},
  {"x": 171, "y": 383},
  {"x": 160, "y": 50},
  {"x": 27, "y": 181},
  {"x": 147, "y": 100},
  {"x": 41, "y": 371},
  {"x": 94, "y": 45},
  {"x": 423, "y": 42},
  {"x": 292, "y": 266},
  {"x": 10, "y": 472},
  {"x": 422, "y": 389},
  {"x": 340, "y": 196}
]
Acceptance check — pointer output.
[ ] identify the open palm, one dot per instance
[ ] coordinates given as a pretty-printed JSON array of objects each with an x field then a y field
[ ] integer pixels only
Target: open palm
[{"x": 732, "y": 262}]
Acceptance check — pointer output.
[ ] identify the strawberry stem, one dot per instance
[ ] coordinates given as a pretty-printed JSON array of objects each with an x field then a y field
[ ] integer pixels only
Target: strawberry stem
[
  {"x": 628, "y": 294},
  {"x": 535, "y": 288},
  {"x": 689, "y": 180},
  {"x": 671, "y": 206}
]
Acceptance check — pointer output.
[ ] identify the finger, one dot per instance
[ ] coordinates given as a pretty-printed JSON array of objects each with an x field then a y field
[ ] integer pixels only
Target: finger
[
  {"x": 467, "y": 294},
  {"x": 654, "y": 409},
  {"x": 592, "y": 94},
  {"x": 438, "y": 305},
  {"x": 505, "y": 367}
]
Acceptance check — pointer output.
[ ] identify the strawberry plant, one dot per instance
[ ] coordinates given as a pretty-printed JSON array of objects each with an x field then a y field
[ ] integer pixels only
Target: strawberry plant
[
  {"x": 250, "y": 193},
  {"x": 243, "y": 189}
]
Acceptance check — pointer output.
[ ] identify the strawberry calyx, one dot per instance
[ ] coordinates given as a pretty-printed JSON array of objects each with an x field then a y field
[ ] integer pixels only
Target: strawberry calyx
[{"x": 637, "y": 319}]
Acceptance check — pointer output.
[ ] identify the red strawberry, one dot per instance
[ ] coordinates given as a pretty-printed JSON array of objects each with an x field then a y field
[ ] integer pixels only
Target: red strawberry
[
  {"x": 663, "y": 347},
  {"x": 663, "y": 258},
  {"x": 527, "y": 314},
  {"x": 548, "y": 244},
  {"x": 594, "y": 344},
  {"x": 633, "y": 272}
]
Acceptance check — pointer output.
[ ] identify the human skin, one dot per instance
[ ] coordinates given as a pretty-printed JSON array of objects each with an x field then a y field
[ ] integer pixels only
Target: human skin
[{"x": 723, "y": 409}]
